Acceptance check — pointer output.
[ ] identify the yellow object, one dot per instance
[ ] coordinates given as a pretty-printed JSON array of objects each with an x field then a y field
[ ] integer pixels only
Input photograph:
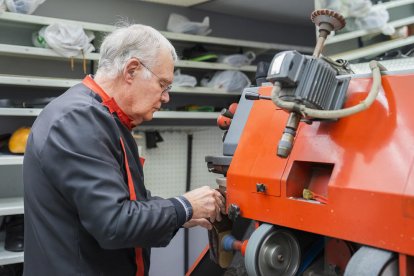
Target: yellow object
[
  {"x": 307, "y": 194},
  {"x": 18, "y": 140}
]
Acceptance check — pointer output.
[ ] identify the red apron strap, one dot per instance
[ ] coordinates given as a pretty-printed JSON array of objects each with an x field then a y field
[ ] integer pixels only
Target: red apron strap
[
  {"x": 139, "y": 261},
  {"x": 132, "y": 196},
  {"x": 142, "y": 161}
]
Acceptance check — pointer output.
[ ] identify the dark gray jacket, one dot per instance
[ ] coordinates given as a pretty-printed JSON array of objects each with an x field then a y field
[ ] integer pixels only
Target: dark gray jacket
[{"x": 78, "y": 216}]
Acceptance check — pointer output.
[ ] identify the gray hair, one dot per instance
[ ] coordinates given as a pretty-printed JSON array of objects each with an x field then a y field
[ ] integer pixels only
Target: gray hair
[{"x": 140, "y": 41}]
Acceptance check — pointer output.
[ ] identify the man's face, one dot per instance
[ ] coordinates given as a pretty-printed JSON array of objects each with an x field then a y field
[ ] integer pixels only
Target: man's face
[{"x": 146, "y": 95}]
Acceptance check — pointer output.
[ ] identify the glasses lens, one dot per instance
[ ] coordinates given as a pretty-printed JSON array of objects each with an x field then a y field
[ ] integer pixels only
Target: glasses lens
[{"x": 167, "y": 89}]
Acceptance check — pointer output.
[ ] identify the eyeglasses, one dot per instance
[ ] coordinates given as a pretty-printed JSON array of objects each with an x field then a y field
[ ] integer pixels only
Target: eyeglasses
[{"x": 166, "y": 88}]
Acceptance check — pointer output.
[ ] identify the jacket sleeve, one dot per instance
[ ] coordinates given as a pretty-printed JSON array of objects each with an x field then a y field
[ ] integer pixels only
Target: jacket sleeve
[{"x": 82, "y": 157}]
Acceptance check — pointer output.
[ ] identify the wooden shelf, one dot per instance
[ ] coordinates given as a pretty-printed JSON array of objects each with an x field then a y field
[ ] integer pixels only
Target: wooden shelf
[
  {"x": 11, "y": 159},
  {"x": 212, "y": 66},
  {"x": 17, "y": 50},
  {"x": 42, "y": 20},
  {"x": 202, "y": 90},
  {"x": 397, "y": 3},
  {"x": 359, "y": 33},
  {"x": 66, "y": 83},
  {"x": 8, "y": 257},
  {"x": 374, "y": 49},
  {"x": 11, "y": 206},
  {"x": 191, "y": 129},
  {"x": 193, "y": 115},
  {"x": 20, "y": 111},
  {"x": 157, "y": 115},
  {"x": 235, "y": 42},
  {"x": 37, "y": 81},
  {"x": 392, "y": 65}
]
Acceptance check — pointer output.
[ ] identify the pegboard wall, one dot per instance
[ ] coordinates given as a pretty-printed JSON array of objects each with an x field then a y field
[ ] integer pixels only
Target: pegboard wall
[
  {"x": 205, "y": 142},
  {"x": 165, "y": 165}
]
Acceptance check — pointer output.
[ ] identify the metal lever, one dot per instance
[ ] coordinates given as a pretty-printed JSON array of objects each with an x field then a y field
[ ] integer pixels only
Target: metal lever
[{"x": 256, "y": 96}]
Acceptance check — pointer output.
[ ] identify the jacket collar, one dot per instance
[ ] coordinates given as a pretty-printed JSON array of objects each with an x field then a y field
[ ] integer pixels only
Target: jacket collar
[{"x": 108, "y": 101}]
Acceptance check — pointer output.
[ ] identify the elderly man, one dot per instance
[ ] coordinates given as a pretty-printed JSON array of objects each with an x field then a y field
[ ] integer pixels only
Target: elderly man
[{"x": 87, "y": 211}]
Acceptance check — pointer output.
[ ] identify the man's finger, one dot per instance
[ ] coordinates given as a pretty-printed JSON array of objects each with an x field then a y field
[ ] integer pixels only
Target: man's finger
[
  {"x": 212, "y": 216},
  {"x": 205, "y": 224},
  {"x": 220, "y": 199},
  {"x": 219, "y": 218},
  {"x": 218, "y": 212}
]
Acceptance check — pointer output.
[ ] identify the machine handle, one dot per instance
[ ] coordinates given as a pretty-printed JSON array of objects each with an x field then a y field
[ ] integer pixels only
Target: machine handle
[{"x": 256, "y": 96}]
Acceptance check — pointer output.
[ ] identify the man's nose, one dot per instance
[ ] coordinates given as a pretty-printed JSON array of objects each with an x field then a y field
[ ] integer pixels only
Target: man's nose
[{"x": 165, "y": 97}]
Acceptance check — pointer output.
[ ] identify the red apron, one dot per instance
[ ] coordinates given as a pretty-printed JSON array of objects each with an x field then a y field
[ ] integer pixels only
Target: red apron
[{"x": 113, "y": 107}]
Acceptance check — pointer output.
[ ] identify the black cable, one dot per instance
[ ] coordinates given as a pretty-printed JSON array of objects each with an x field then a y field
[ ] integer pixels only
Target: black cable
[
  {"x": 91, "y": 67},
  {"x": 189, "y": 160},
  {"x": 187, "y": 188}
]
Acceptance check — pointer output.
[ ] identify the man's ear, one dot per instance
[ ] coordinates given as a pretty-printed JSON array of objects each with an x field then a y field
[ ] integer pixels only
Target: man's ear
[{"x": 130, "y": 70}]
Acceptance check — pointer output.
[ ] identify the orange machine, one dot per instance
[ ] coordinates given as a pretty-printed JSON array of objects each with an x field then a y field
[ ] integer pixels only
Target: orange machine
[{"x": 346, "y": 180}]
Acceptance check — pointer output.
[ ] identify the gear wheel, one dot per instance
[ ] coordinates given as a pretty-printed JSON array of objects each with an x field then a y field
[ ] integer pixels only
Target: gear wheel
[{"x": 335, "y": 19}]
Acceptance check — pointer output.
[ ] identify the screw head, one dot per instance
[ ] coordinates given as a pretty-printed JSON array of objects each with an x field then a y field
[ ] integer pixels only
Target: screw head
[{"x": 260, "y": 187}]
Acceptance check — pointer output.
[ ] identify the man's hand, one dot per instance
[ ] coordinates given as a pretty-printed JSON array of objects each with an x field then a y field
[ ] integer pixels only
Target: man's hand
[
  {"x": 207, "y": 203},
  {"x": 198, "y": 222}
]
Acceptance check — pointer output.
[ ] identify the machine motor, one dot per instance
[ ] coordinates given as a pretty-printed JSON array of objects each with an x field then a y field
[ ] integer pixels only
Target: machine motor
[{"x": 308, "y": 81}]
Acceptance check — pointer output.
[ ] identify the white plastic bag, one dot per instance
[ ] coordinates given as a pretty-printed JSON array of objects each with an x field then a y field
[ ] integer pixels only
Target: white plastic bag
[
  {"x": 357, "y": 8},
  {"x": 334, "y": 5},
  {"x": 23, "y": 6},
  {"x": 184, "y": 80},
  {"x": 376, "y": 18},
  {"x": 38, "y": 38},
  {"x": 181, "y": 24},
  {"x": 231, "y": 81},
  {"x": 68, "y": 40},
  {"x": 361, "y": 14},
  {"x": 238, "y": 60}
]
